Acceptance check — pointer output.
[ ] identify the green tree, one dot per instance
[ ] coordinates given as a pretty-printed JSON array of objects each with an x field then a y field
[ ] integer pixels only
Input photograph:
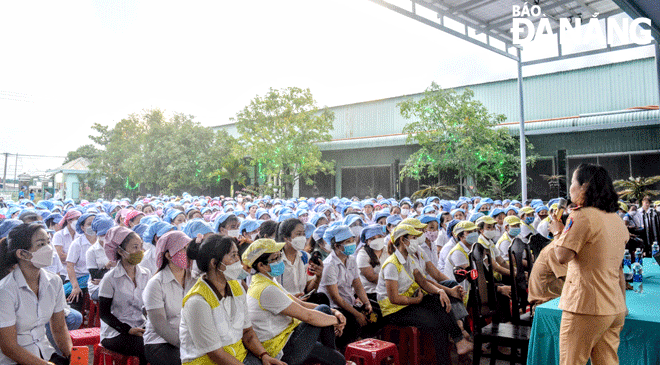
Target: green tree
[
  {"x": 456, "y": 133},
  {"x": 232, "y": 169},
  {"x": 635, "y": 188},
  {"x": 87, "y": 151},
  {"x": 279, "y": 132}
]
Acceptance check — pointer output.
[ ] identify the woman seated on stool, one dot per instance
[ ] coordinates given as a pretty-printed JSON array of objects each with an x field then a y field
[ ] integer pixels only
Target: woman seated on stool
[
  {"x": 30, "y": 297},
  {"x": 404, "y": 303},
  {"x": 120, "y": 294},
  {"x": 163, "y": 298},
  {"x": 215, "y": 325},
  {"x": 289, "y": 329}
]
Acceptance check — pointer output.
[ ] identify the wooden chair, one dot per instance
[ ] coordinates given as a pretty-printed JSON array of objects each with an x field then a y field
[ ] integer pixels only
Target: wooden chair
[
  {"x": 484, "y": 309},
  {"x": 519, "y": 284}
]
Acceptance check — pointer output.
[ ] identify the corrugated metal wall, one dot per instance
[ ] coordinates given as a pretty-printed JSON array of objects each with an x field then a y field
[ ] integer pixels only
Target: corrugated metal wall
[{"x": 570, "y": 93}]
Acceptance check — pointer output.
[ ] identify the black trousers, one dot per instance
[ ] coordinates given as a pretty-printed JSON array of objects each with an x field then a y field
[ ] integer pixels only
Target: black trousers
[
  {"x": 128, "y": 345},
  {"x": 309, "y": 342},
  {"x": 162, "y": 353},
  {"x": 429, "y": 316}
]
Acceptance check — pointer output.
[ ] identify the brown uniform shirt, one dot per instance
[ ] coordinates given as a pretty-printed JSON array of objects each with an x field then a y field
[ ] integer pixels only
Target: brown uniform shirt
[
  {"x": 592, "y": 282},
  {"x": 547, "y": 277}
]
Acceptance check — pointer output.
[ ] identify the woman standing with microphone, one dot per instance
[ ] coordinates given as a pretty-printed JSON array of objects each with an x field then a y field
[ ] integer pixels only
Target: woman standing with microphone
[{"x": 593, "y": 297}]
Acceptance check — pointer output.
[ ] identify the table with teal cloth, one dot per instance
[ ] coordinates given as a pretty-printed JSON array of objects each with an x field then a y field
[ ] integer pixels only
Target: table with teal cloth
[{"x": 640, "y": 336}]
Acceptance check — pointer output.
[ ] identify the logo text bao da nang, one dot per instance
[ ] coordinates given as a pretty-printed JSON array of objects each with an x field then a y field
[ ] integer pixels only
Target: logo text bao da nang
[{"x": 625, "y": 30}]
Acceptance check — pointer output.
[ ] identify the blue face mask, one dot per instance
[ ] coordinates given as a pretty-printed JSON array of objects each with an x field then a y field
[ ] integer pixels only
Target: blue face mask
[
  {"x": 349, "y": 249},
  {"x": 276, "y": 269},
  {"x": 514, "y": 231},
  {"x": 529, "y": 220}
]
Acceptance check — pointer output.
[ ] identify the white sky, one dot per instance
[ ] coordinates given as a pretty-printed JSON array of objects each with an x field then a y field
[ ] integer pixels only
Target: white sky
[{"x": 69, "y": 64}]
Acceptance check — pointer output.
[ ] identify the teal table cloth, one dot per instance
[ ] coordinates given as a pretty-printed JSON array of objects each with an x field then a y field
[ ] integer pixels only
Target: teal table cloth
[{"x": 640, "y": 336}]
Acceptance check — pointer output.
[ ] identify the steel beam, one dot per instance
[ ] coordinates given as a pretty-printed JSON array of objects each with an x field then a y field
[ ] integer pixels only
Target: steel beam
[
  {"x": 582, "y": 54},
  {"x": 523, "y": 151}
]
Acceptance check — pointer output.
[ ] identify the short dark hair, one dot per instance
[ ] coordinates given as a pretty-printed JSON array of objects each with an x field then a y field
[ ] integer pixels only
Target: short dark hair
[
  {"x": 19, "y": 238},
  {"x": 214, "y": 246},
  {"x": 600, "y": 191},
  {"x": 286, "y": 228}
]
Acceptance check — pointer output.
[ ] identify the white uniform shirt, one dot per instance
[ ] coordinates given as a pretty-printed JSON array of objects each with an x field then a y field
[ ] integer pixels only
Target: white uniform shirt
[
  {"x": 20, "y": 307},
  {"x": 404, "y": 278},
  {"x": 362, "y": 260},
  {"x": 504, "y": 245},
  {"x": 336, "y": 273},
  {"x": 164, "y": 291},
  {"x": 149, "y": 260},
  {"x": 204, "y": 329},
  {"x": 64, "y": 239},
  {"x": 95, "y": 258},
  {"x": 457, "y": 258},
  {"x": 126, "y": 297},
  {"x": 295, "y": 278},
  {"x": 267, "y": 322},
  {"x": 77, "y": 255},
  {"x": 444, "y": 252},
  {"x": 544, "y": 228}
]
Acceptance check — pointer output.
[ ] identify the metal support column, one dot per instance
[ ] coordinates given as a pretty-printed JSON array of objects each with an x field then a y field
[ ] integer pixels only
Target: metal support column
[
  {"x": 656, "y": 44},
  {"x": 4, "y": 176},
  {"x": 523, "y": 152}
]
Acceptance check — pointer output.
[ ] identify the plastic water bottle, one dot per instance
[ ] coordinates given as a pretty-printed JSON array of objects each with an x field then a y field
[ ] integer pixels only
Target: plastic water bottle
[
  {"x": 638, "y": 256},
  {"x": 627, "y": 265},
  {"x": 654, "y": 250},
  {"x": 638, "y": 277}
]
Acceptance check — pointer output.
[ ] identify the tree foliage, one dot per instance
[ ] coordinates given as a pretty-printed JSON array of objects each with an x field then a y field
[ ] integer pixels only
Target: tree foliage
[
  {"x": 279, "y": 132},
  {"x": 87, "y": 151},
  {"x": 456, "y": 132},
  {"x": 150, "y": 152},
  {"x": 635, "y": 188}
]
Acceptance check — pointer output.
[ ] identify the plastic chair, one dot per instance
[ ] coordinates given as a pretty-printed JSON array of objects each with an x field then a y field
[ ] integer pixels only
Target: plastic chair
[
  {"x": 372, "y": 352},
  {"x": 85, "y": 336},
  {"x": 413, "y": 349},
  {"x": 103, "y": 356},
  {"x": 519, "y": 287},
  {"x": 79, "y": 355}
]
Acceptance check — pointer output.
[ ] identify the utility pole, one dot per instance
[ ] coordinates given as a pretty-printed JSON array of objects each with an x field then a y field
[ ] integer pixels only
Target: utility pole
[
  {"x": 4, "y": 176},
  {"x": 18, "y": 184}
]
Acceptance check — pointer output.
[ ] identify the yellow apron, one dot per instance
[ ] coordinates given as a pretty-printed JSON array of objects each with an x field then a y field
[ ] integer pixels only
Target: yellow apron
[
  {"x": 236, "y": 350},
  {"x": 277, "y": 343},
  {"x": 459, "y": 247},
  {"x": 386, "y": 307}
]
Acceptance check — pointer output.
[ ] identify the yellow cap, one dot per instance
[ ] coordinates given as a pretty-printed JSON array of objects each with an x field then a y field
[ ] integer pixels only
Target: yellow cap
[
  {"x": 414, "y": 222},
  {"x": 554, "y": 206},
  {"x": 526, "y": 210},
  {"x": 511, "y": 220},
  {"x": 402, "y": 230},
  {"x": 260, "y": 247},
  {"x": 656, "y": 203},
  {"x": 623, "y": 205},
  {"x": 463, "y": 226},
  {"x": 486, "y": 219}
]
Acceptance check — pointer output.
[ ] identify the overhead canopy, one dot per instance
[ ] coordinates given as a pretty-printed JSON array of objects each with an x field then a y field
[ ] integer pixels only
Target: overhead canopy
[{"x": 643, "y": 9}]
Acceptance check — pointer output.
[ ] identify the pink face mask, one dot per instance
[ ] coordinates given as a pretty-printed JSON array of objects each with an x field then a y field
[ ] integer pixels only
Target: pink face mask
[
  {"x": 431, "y": 235},
  {"x": 180, "y": 259}
]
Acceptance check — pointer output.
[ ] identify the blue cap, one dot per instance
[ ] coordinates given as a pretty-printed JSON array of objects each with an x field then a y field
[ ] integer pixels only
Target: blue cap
[
  {"x": 381, "y": 213},
  {"x": 221, "y": 219},
  {"x": 140, "y": 228},
  {"x": 475, "y": 216},
  {"x": 171, "y": 215},
  {"x": 318, "y": 232},
  {"x": 284, "y": 217},
  {"x": 428, "y": 209},
  {"x": 394, "y": 219},
  {"x": 450, "y": 226},
  {"x": 7, "y": 225},
  {"x": 249, "y": 225},
  {"x": 371, "y": 231},
  {"x": 56, "y": 217},
  {"x": 497, "y": 211},
  {"x": 102, "y": 223},
  {"x": 339, "y": 233},
  {"x": 315, "y": 218},
  {"x": 428, "y": 218},
  {"x": 157, "y": 229},
  {"x": 197, "y": 226},
  {"x": 309, "y": 230},
  {"x": 300, "y": 212},
  {"x": 540, "y": 208},
  {"x": 352, "y": 218},
  {"x": 260, "y": 213},
  {"x": 81, "y": 221},
  {"x": 510, "y": 208}
]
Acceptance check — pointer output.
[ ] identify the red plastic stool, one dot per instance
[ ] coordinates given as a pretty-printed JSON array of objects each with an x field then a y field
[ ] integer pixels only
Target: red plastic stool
[
  {"x": 93, "y": 319},
  {"x": 413, "y": 350},
  {"x": 103, "y": 356},
  {"x": 86, "y": 336},
  {"x": 372, "y": 352}
]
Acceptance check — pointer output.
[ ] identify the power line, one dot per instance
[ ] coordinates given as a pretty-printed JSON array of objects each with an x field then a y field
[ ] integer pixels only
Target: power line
[{"x": 43, "y": 156}]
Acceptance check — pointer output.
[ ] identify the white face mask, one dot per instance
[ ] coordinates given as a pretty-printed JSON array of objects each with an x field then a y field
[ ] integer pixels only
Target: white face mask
[
  {"x": 89, "y": 231},
  {"x": 73, "y": 223},
  {"x": 405, "y": 211},
  {"x": 233, "y": 271},
  {"x": 233, "y": 233},
  {"x": 299, "y": 243},
  {"x": 419, "y": 210},
  {"x": 490, "y": 234},
  {"x": 413, "y": 247},
  {"x": 179, "y": 227},
  {"x": 254, "y": 235},
  {"x": 42, "y": 257},
  {"x": 377, "y": 244}
]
